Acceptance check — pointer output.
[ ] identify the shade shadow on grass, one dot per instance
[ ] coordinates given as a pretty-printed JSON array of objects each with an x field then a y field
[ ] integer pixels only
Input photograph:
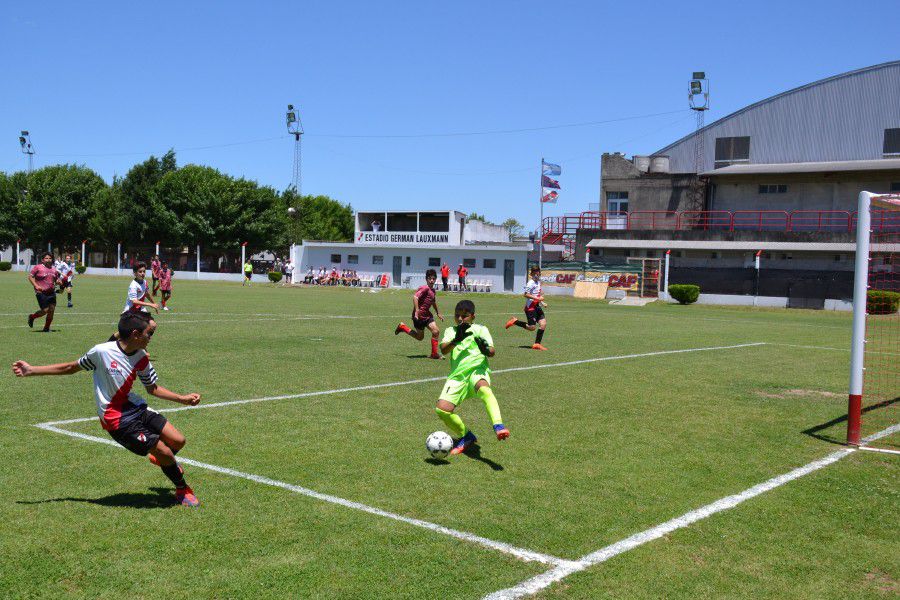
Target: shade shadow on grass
[
  {"x": 814, "y": 431},
  {"x": 157, "y": 498}
]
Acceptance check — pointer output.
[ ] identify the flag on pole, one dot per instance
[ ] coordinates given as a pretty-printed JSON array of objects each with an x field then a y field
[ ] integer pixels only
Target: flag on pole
[
  {"x": 551, "y": 169},
  {"x": 550, "y": 197},
  {"x": 549, "y": 183}
]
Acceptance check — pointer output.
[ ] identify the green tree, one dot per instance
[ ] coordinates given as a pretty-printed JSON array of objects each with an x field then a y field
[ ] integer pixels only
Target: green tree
[
  {"x": 316, "y": 218},
  {"x": 56, "y": 205},
  {"x": 113, "y": 219},
  {"x": 514, "y": 227},
  {"x": 10, "y": 194},
  {"x": 137, "y": 190},
  {"x": 474, "y": 216}
]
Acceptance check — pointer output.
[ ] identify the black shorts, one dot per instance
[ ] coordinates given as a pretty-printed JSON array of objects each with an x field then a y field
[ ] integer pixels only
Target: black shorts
[
  {"x": 422, "y": 323},
  {"x": 45, "y": 299},
  {"x": 141, "y": 433},
  {"x": 535, "y": 315}
]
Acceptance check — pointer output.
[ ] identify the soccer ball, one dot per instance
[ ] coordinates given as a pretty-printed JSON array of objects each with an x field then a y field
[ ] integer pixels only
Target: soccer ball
[{"x": 439, "y": 444}]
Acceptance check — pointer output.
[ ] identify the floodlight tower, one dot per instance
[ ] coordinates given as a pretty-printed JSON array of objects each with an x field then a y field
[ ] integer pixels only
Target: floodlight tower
[
  {"x": 295, "y": 128},
  {"x": 27, "y": 148},
  {"x": 698, "y": 98}
]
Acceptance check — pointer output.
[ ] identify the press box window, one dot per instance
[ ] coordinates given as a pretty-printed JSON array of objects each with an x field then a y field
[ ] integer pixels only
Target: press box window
[
  {"x": 489, "y": 263},
  {"x": 469, "y": 263},
  {"x": 434, "y": 262},
  {"x": 895, "y": 187},
  {"x": 336, "y": 258},
  {"x": 352, "y": 259},
  {"x": 730, "y": 150},
  {"x": 377, "y": 260},
  {"x": 892, "y": 141}
]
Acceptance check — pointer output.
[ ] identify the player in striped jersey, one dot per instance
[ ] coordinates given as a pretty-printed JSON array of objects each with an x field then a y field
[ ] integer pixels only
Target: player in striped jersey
[
  {"x": 66, "y": 270},
  {"x": 534, "y": 309},
  {"x": 123, "y": 413},
  {"x": 139, "y": 298}
]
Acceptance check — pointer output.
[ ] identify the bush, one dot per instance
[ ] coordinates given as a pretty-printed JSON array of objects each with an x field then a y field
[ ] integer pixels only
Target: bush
[
  {"x": 5, "y": 265},
  {"x": 274, "y": 276},
  {"x": 882, "y": 302},
  {"x": 80, "y": 269},
  {"x": 685, "y": 293}
]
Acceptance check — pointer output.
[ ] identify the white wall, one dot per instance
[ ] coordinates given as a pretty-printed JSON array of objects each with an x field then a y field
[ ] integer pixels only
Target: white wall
[
  {"x": 307, "y": 255},
  {"x": 25, "y": 256},
  {"x": 478, "y": 231}
]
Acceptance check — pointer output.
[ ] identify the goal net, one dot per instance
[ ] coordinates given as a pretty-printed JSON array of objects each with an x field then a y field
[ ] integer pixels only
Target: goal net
[{"x": 874, "y": 368}]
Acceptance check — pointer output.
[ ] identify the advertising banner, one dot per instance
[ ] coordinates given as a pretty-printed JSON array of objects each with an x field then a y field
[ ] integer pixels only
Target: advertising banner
[{"x": 615, "y": 280}]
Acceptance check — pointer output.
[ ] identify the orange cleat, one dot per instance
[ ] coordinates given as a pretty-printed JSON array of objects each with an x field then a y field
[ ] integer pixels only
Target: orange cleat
[
  {"x": 511, "y": 322},
  {"x": 401, "y": 328},
  {"x": 463, "y": 443},
  {"x": 538, "y": 347},
  {"x": 185, "y": 497},
  {"x": 501, "y": 431}
]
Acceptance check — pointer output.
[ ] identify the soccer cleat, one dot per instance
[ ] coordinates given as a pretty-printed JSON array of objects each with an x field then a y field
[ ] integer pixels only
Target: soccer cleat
[
  {"x": 437, "y": 357},
  {"x": 31, "y": 321},
  {"x": 401, "y": 328},
  {"x": 511, "y": 322},
  {"x": 501, "y": 431},
  {"x": 464, "y": 442},
  {"x": 185, "y": 497},
  {"x": 165, "y": 308},
  {"x": 537, "y": 347},
  {"x": 70, "y": 305}
]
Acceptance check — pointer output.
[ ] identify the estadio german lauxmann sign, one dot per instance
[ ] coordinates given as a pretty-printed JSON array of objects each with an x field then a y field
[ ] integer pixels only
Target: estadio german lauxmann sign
[{"x": 424, "y": 239}]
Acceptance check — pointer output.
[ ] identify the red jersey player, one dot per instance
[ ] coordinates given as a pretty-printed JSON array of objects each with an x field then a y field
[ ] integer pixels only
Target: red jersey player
[
  {"x": 423, "y": 300},
  {"x": 43, "y": 279}
]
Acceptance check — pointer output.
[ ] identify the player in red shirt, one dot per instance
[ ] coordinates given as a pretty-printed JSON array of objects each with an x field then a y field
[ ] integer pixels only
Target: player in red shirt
[
  {"x": 43, "y": 278},
  {"x": 424, "y": 298},
  {"x": 164, "y": 275},
  {"x": 154, "y": 272}
]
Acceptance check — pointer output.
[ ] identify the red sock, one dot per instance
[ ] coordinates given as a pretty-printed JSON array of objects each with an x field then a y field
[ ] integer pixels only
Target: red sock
[
  {"x": 164, "y": 302},
  {"x": 404, "y": 328},
  {"x": 35, "y": 315},
  {"x": 48, "y": 321},
  {"x": 434, "y": 347}
]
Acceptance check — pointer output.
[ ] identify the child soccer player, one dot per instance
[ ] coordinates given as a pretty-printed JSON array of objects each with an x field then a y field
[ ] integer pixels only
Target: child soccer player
[
  {"x": 43, "y": 279},
  {"x": 248, "y": 274},
  {"x": 154, "y": 273},
  {"x": 124, "y": 414},
  {"x": 165, "y": 284},
  {"x": 423, "y": 300},
  {"x": 66, "y": 270},
  {"x": 139, "y": 299},
  {"x": 534, "y": 309},
  {"x": 469, "y": 346}
]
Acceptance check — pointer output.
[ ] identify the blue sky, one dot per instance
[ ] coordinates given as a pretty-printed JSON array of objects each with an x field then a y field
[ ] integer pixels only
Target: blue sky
[{"x": 105, "y": 84}]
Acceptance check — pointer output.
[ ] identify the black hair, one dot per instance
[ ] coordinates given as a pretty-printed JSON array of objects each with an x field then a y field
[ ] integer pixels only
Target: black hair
[
  {"x": 132, "y": 321},
  {"x": 46, "y": 254},
  {"x": 466, "y": 305},
  {"x": 138, "y": 266},
  {"x": 535, "y": 269},
  {"x": 430, "y": 273}
]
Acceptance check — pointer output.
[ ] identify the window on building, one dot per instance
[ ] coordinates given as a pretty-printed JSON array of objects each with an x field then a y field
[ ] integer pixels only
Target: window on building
[
  {"x": 469, "y": 263},
  {"x": 377, "y": 260},
  {"x": 434, "y": 262},
  {"x": 434, "y": 222},
  {"x": 716, "y": 255},
  {"x": 617, "y": 201},
  {"x": 773, "y": 189},
  {"x": 892, "y": 141},
  {"x": 730, "y": 150},
  {"x": 352, "y": 259},
  {"x": 336, "y": 258},
  {"x": 402, "y": 221},
  {"x": 489, "y": 263},
  {"x": 408, "y": 260},
  {"x": 895, "y": 187}
]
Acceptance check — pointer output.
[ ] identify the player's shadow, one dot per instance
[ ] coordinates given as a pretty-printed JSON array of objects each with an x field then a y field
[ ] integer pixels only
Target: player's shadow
[
  {"x": 474, "y": 452},
  {"x": 42, "y": 331},
  {"x": 158, "y": 497},
  {"x": 417, "y": 356},
  {"x": 814, "y": 431},
  {"x": 526, "y": 346}
]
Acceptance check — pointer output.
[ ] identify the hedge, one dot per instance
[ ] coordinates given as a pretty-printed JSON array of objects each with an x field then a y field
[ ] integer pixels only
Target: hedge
[
  {"x": 685, "y": 293},
  {"x": 274, "y": 276},
  {"x": 80, "y": 269},
  {"x": 882, "y": 302},
  {"x": 5, "y": 265}
]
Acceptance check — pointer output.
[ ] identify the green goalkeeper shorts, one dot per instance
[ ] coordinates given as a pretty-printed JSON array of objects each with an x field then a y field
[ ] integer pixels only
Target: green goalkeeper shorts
[{"x": 455, "y": 390}]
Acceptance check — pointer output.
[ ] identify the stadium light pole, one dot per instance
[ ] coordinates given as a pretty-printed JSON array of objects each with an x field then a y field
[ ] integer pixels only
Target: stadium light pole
[
  {"x": 295, "y": 128},
  {"x": 83, "y": 242},
  {"x": 27, "y": 148}
]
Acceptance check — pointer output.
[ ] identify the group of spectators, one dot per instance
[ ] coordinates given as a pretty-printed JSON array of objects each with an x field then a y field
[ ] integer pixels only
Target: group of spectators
[{"x": 333, "y": 277}]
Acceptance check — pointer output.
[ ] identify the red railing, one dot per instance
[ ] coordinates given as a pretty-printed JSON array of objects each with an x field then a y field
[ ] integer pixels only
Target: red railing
[{"x": 717, "y": 220}]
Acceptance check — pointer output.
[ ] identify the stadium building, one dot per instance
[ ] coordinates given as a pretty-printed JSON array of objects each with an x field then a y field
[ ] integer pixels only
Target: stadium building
[
  {"x": 778, "y": 179},
  {"x": 397, "y": 247}
]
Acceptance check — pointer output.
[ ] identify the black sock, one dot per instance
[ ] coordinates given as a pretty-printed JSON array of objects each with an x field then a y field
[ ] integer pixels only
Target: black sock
[
  {"x": 69, "y": 294},
  {"x": 521, "y": 324},
  {"x": 539, "y": 336},
  {"x": 173, "y": 472}
]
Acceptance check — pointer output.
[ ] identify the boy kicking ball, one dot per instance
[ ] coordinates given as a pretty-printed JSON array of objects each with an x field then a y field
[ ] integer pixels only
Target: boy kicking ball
[
  {"x": 424, "y": 298},
  {"x": 469, "y": 346},
  {"x": 124, "y": 414}
]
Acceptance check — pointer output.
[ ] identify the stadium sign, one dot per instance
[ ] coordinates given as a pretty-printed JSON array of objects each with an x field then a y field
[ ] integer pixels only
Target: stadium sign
[
  {"x": 619, "y": 281},
  {"x": 419, "y": 239}
]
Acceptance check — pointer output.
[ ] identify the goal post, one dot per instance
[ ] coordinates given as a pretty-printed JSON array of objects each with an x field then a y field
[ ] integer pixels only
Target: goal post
[{"x": 875, "y": 342}]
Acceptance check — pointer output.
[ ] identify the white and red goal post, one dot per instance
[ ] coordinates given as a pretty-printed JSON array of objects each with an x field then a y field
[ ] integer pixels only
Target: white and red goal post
[{"x": 875, "y": 346}]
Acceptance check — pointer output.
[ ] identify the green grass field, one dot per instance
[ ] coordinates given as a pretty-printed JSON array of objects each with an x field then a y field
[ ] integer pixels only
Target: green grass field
[{"x": 600, "y": 450}]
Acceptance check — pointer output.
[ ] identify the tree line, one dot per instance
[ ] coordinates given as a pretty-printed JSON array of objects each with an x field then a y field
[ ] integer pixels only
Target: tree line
[{"x": 159, "y": 201}]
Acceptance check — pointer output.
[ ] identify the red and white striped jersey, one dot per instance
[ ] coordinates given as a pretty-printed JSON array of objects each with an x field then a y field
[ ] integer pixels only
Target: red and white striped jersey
[
  {"x": 114, "y": 375},
  {"x": 137, "y": 290}
]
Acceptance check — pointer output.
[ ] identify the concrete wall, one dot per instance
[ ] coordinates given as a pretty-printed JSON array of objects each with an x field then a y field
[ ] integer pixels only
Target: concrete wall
[
  {"x": 25, "y": 257},
  {"x": 478, "y": 231},
  {"x": 646, "y": 191}
]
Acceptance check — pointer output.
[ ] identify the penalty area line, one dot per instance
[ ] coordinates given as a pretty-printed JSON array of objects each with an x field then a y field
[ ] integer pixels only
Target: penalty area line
[
  {"x": 561, "y": 571},
  {"x": 520, "y": 553},
  {"x": 376, "y": 386}
]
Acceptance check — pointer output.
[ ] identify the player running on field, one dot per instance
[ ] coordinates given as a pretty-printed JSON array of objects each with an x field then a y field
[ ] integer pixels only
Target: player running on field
[
  {"x": 124, "y": 414},
  {"x": 43, "y": 278},
  {"x": 165, "y": 284},
  {"x": 154, "y": 273},
  {"x": 469, "y": 346},
  {"x": 534, "y": 309},
  {"x": 248, "y": 274},
  {"x": 424, "y": 298},
  {"x": 139, "y": 298},
  {"x": 66, "y": 270}
]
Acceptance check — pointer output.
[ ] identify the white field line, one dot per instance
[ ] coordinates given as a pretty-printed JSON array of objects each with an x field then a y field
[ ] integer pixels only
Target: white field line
[
  {"x": 559, "y": 572},
  {"x": 520, "y": 553},
  {"x": 828, "y": 348},
  {"x": 375, "y": 386},
  {"x": 885, "y": 450}
]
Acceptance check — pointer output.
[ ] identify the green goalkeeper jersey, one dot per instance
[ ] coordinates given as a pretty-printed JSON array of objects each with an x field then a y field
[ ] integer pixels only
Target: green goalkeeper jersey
[{"x": 466, "y": 357}]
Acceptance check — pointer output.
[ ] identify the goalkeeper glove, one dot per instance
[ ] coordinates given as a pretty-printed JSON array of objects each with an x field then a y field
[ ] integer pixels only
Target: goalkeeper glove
[
  {"x": 483, "y": 346},
  {"x": 462, "y": 332}
]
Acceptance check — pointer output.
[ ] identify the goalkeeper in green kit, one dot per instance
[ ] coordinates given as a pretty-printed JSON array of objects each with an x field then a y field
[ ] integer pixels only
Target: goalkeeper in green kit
[{"x": 469, "y": 346}]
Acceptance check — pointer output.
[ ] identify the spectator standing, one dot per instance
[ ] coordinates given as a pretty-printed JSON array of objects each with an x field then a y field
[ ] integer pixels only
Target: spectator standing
[{"x": 445, "y": 275}]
